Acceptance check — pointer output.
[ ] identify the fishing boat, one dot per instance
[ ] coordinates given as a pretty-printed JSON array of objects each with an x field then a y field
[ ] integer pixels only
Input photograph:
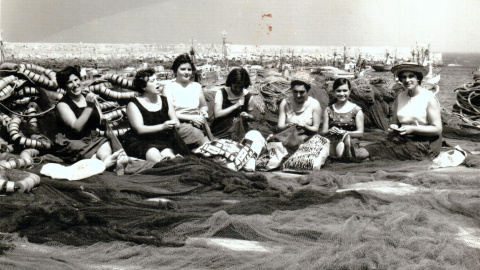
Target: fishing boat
[{"x": 382, "y": 68}]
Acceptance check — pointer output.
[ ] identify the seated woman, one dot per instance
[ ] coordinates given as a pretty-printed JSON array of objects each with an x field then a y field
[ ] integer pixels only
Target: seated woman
[
  {"x": 300, "y": 110},
  {"x": 342, "y": 120},
  {"x": 188, "y": 102},
  {"x": 232, "y": 107},
  {"x": 417, "y": 124},
  {"x": 77, "y": 119},
  {"x": 153, "y": 121}
]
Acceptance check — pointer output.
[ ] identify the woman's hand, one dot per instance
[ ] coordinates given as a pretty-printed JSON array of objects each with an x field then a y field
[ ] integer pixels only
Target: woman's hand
[
  {"x": 197, "y": 120},
  {"x": 169, "y": 124},
  {"x": 240, "y": 102},
  {"x": 337, "y": 131},
  {"x": 406, "y": 129},
  {"x": 246, "y": 115},
  {"x": 204, "y": 113},
  {"x": 91, "y": 97}
]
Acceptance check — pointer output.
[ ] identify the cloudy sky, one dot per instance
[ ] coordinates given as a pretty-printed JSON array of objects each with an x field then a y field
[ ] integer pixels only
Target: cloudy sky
[{"x": 449, "y": 25}]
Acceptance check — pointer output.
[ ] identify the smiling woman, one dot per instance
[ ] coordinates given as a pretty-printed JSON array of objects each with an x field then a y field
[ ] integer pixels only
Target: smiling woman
[
  {"x": 416, "y": 127},
  {"x": 188, "y": 101},
  {"x": 153, "y": 122}
]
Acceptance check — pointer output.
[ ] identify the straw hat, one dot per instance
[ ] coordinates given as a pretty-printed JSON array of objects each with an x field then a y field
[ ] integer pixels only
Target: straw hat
[
  {"x": 410, "y": 67},
  {"x": 303, "y": 76}
]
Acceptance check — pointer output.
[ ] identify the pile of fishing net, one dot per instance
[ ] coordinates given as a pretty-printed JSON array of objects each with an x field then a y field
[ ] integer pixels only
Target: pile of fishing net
[
  {"x": 29, "y": 93},
  {"x": 375, "y": 98},
  {"x": 467, "y": 103},
  {"x": 309, "y": 222}
]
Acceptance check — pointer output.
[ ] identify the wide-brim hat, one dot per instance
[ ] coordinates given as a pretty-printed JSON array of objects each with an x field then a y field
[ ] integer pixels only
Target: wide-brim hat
[{"x": 409, "y": 67}]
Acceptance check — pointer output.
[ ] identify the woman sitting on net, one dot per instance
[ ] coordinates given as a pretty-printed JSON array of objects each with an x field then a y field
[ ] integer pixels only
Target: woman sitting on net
[
  {"x": 188, "y": 102},
  {"x": 153, "y": 121},
  {"x": 416, "y": 128},
  {"x": 77, "y": 121},
  {"x": 342, "y": 120},
  {"x": 232, "y": 107},
  {"x": 299, "y": 109}
]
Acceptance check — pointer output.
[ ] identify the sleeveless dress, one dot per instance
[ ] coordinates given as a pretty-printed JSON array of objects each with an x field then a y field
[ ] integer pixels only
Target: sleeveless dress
[
  {"x": 345, "y": 121},
  {"x": 186, "y": 100},
  {"x": 137, "y": 145},
  {"x": 303, "y": 116},
  {"x": 410, "y": 111},
  {"x": 226, "y": 127},
  {"x": 72, "y": 146}
]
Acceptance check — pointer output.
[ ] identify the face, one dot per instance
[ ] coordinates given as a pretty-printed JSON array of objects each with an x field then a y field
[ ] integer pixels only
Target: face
[
  {"x": 153, "y": 85},
  {"x": 299, "y": 93},
  {"x": 342, "y": 93},
  {"x": 74, "y": 85},
  {"x": 237, "y": 88},
  {"x": 184, "y": 72},
  {"x": 409, "y": 80}
]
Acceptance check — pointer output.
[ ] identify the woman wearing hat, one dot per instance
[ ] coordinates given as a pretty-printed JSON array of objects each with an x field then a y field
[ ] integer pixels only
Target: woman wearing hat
[
  {"x": 416, "y": 125},
  {"x": 299, "y": 109}
]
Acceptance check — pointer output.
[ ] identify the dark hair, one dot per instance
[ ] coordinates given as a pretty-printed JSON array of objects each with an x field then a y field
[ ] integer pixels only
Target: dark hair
[
  {"x": 64, "y": 75},
  {"x": 297, "y": 82},
  {"x": 418, "y": 74},
  {"x": 341, "y": 81},
  {"x": 238, "y": 76},
  {"x": 180, "y": 60},
  {"x": 141, "y": 79}
]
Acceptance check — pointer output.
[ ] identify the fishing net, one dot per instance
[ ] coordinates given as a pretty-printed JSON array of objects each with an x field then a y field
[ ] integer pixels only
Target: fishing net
[{"x": 289, "y": 223}]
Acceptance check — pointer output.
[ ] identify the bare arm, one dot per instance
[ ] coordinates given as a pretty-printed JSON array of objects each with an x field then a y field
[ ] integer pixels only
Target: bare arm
[
  {"x": 69, "y": 118},
  {"x": 136, "y": 121},
  {"x": 316, "y": 118},
  {"x": 326, "y": 123},
  {"x": 218, "y": 111},
  {"x": 282, "y": 116},
  {"x": 359, "y": 120}
]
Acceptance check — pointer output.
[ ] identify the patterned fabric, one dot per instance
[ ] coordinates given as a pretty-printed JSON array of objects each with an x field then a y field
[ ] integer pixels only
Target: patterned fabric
[
  {"x": 345, "y": 121},
  {"x": 300, "y": 117}
]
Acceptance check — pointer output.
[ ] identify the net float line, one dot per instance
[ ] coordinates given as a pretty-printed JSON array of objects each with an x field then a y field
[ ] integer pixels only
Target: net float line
[
  {"x": 114, "y": 114},
  {"x": 116, "y": 132},
  {"x": 31, "y": 110},
  {"x": 52, "y": 75},
  {"x": 26, "y": 91},
  {"x": 6, "y": 92},
  {"x": 112, "y": 94},
  {"x": 11, "y": 67},
  {"x": 22, "y": 101},
  {"x": 25, "y": 185},
  {"x": 7, "y": 80},
  {"x": 39, "y": 79},
  {"x": 119, "y": 80},
  {"x": 108, "y": 105},
  {"x": 18, "y": 138}
]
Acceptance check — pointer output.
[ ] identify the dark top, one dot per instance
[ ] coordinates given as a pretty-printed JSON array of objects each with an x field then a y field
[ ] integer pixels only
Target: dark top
[
  {"x": 92, "y": 123},
  {"x": 221, "y": 127},
  {"x": 137, "y": 145}
]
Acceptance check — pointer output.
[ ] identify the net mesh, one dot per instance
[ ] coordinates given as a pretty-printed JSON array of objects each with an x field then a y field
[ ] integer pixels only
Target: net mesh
[{"x": 286, "y": 222}]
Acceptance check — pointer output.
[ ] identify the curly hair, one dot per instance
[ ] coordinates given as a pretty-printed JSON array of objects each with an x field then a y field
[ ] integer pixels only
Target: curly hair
[
  {"x": 64, "y": 75},
  {"x": 297, "y": 82},
  {"x": 141, "y": 79},
  {"x": 180, "y": 60},
  {"x": 238, "y": 76}
]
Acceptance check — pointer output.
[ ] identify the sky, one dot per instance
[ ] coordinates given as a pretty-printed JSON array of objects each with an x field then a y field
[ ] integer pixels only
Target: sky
[{"x": 448, "y": 25}]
